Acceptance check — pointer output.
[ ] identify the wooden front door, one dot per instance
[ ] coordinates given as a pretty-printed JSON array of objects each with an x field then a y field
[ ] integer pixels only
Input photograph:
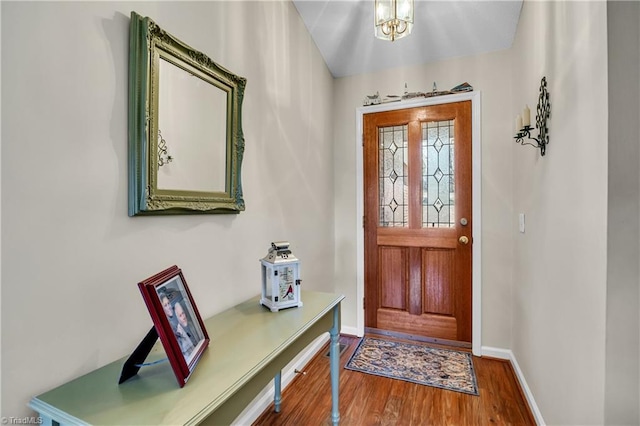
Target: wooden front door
[{"x": 417, "y": 224}]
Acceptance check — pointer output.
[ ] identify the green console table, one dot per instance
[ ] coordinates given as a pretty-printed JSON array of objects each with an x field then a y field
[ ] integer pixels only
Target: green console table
[{"x": 249, "y": 347}]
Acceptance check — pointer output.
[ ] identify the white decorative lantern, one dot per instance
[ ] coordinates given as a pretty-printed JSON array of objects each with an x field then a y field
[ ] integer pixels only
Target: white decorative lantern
[{"x": 280, "y": 278}]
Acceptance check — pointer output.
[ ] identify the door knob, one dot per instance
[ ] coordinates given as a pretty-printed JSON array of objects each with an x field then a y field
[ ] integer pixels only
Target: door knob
[{"x": 463, "y": 240}]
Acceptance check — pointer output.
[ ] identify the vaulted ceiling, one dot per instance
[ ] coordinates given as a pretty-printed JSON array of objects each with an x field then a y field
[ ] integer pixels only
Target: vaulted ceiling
[{"x": 343, "y": 32}]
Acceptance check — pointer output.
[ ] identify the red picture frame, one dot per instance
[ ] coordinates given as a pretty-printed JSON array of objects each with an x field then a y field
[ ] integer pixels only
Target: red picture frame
[{"x": 176, "y": 319}]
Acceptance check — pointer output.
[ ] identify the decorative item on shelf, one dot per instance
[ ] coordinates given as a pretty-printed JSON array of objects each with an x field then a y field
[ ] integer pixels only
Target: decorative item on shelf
[
  {"x": 543, "y": 113},
  {"x": 393, "y": 19},
  {"x": 163, "y": 155},
  {"x": 411, "y": 95},
  {"x": 391, "y": 98},
  {"x": 377, "y": 100},
  {"x": 280, "y": 278},
  {"x": 371, "y": 99},
  {"x": 435, "y": 92},
  {"x": 464, "y": 87}
]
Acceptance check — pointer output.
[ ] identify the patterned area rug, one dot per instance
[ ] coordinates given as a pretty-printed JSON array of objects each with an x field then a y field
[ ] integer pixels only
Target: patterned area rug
[{"x": 417, "y": 363}]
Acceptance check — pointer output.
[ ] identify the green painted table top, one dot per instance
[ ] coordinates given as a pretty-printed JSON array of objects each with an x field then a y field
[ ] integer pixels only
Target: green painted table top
[{"x": 244, "y": 339}]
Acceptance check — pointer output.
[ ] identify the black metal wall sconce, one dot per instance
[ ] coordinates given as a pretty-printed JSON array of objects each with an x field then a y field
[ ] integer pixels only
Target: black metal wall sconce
[{"x": 523, "y": 123}]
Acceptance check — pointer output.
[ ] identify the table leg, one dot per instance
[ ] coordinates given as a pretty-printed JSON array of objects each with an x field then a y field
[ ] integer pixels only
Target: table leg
[
  {"x": 277, "y": 398},
  {"x": 334, "y": 356}
]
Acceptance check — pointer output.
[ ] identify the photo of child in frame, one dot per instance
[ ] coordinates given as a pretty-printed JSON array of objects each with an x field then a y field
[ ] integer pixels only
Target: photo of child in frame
[
  {"x": 181, "y": 317},
  {"x": 176, "y": 320}
]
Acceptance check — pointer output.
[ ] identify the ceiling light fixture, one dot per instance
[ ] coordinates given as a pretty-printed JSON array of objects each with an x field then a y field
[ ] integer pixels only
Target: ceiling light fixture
[{"x": 393, "y": 19}]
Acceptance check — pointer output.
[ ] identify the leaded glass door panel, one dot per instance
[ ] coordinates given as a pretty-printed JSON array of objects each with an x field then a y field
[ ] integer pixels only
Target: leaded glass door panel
[{"x": 417, "y": 177}]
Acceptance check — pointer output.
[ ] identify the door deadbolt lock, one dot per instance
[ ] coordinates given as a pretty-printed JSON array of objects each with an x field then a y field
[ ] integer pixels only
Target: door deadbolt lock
[
  {"x": 464, "y": 239},
  {"x": 464, "y": 221}
]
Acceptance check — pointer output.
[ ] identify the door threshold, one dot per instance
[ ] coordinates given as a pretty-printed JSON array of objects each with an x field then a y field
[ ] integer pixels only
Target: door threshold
[{"x": 416, "y": 338}]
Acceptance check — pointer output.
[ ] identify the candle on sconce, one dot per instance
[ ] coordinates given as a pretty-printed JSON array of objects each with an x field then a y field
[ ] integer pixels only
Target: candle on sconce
[
  {"x": 518, "y": 124},
  {"x": 526, "y": 116}
]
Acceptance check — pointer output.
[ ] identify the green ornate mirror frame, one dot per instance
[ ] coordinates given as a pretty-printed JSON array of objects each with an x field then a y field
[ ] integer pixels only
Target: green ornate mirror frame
[{"x": 185, "y": 131}]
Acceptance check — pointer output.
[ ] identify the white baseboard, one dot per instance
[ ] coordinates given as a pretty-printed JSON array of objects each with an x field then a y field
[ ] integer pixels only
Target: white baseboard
[
  {"x": 351, "y": 331},
  {"x": 507, "y": 354},
  {"x": 265, "y": 398}
]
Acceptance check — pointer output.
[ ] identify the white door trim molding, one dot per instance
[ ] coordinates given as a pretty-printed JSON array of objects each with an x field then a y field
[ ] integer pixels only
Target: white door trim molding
[{"x": 476, "y": 177}]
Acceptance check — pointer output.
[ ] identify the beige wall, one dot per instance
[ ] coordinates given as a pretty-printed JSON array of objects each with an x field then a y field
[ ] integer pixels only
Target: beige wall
[
  {"x": 560, "y": 262},
  {"x": 71, "y": 257},
  {"x": 622, "y": 383}
]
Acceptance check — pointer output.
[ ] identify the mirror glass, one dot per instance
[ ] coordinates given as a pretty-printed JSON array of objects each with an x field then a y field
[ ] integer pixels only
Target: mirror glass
[
  {"x": 185, "y": 134},
  {"x": 191, "y": 127}
]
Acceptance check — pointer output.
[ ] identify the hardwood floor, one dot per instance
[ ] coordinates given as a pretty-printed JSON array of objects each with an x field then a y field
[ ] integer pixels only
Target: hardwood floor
[{"x": 372, "y": 400}]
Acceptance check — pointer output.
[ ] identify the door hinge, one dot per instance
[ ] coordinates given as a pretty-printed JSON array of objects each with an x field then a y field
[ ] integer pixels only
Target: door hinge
[{"x": 364, "y": 304}]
